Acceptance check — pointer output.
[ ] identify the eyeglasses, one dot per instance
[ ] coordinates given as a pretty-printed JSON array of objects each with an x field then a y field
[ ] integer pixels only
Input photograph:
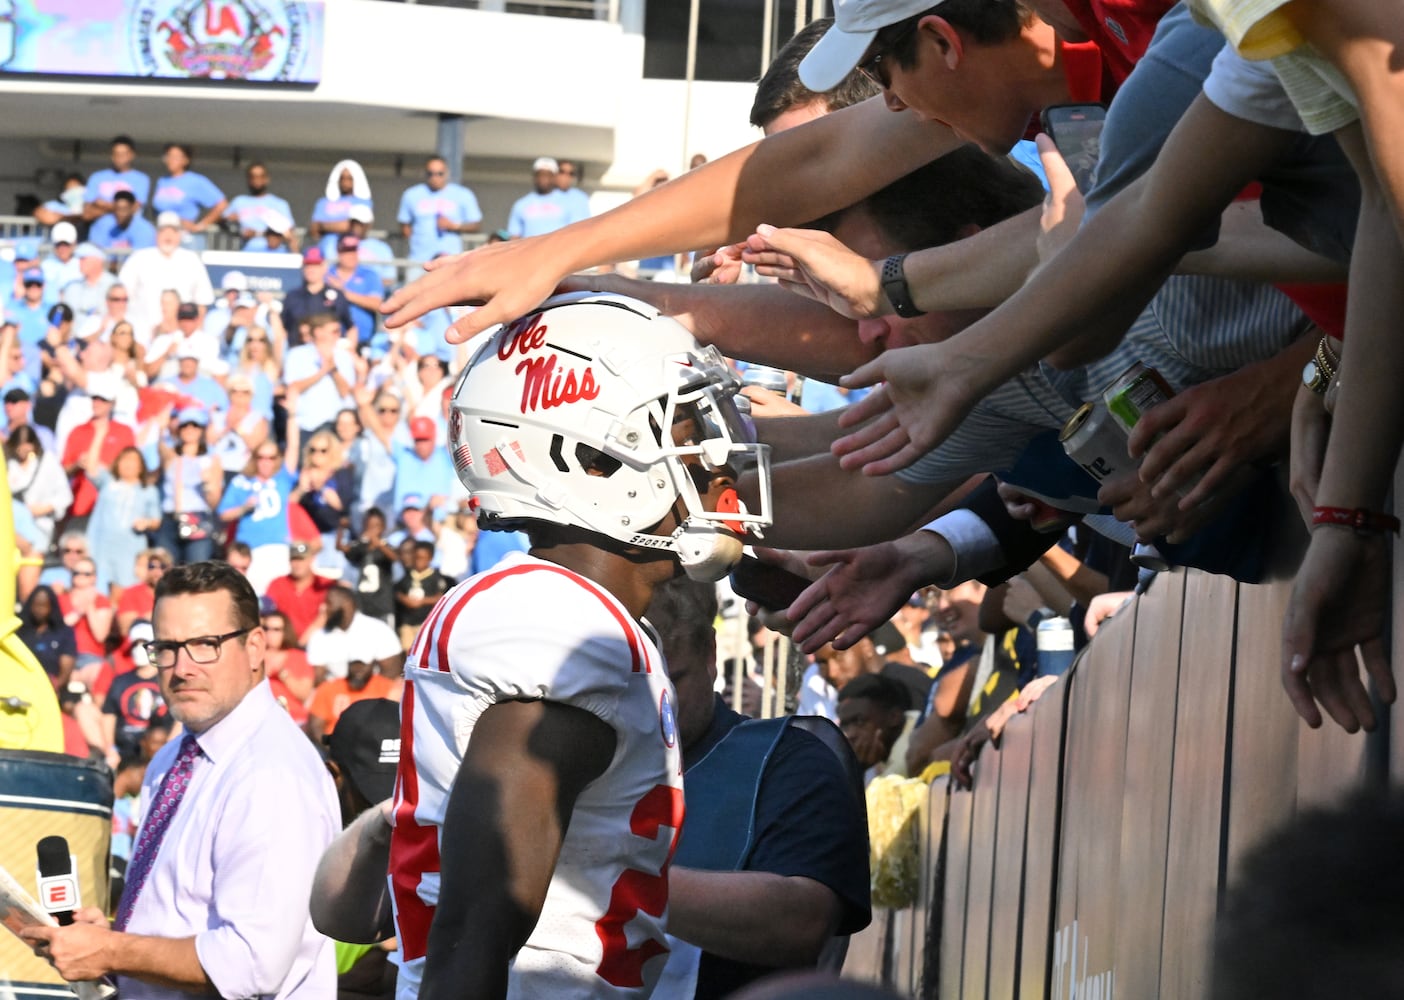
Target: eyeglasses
[
  {"x": 201, "y": 649},
  {"x": 69, "y": 551},
  {"x": 436, "y": 173},
  {"x": 873, "y": 67},
  {"x": 246, "y": 392},
  {"x": 569, "y": 172},
  {"x": 267, "y": 458},
  {"x": 255, "y": 340},
  {"x": 83, "y": 572},
  {"x": 272, "y": 628},
  {"x": 318, "y": 451},
  {"x": 156, "y": 564},
  {"x": 116, "y": 298}
]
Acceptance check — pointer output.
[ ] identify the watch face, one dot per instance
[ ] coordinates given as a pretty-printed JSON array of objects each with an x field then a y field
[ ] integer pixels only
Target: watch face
[{"x": 1311, "y": 375}]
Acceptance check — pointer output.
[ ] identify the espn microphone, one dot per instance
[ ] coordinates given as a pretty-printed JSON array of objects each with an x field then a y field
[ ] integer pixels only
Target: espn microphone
[{"x": 57, "y": 880}]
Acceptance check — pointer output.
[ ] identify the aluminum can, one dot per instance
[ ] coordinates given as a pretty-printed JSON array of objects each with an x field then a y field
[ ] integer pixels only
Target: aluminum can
[
  {"x": 1096, "y": 442},
  {"x": 1137, "y": 390},
  {"x": 766, "y": 377},
  {"x": 1147, "y": 556},
  {"x": 1055, "y": 646}
]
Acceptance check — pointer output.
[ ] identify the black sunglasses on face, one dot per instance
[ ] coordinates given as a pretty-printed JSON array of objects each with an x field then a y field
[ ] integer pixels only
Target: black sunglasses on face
[{"x": 874, "y": 67}]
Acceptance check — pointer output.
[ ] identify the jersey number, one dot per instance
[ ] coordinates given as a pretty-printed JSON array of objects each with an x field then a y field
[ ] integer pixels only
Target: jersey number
[{"x": 637, "y": 891}]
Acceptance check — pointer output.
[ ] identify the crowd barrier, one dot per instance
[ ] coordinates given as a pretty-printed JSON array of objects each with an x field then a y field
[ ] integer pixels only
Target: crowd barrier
[{"x": 1092, "y": 856}]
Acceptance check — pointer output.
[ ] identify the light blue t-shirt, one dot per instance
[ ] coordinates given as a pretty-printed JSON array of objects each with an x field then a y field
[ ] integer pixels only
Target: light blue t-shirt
[
  {"x": 536, "y": 214},
  {"x": 259, "y": 244},
  {"x": 138, "y": 234},
  {"x": 320, "y": 402},
  {"x": 33, "y": 321},
  {"x": 104, "y": 184},
  {"x": 373, "y": 251},
  {"x": 268, "y": 524},
  {"x": 424, "y": 477},
  {"x": 209, "y": 392},
  {"x": 190, "y": 195},
  {"x": 420, "y": 208},
  {"x": 577, "y": 203},
  {"x": 363, "y": 281},
  {"x": 252, "y": 211},
  {"x": 335, "y": 210}
]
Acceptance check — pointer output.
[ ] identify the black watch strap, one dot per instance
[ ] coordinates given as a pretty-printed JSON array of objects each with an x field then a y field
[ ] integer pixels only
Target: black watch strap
[{"x": 894, "y": 286}]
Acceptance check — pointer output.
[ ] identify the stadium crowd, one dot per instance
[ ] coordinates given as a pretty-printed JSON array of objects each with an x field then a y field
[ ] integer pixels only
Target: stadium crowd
[{"x": 944, "y": 308}]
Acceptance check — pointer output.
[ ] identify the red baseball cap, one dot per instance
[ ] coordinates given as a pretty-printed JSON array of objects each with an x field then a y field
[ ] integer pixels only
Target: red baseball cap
[{"x": 423, "y": 429}]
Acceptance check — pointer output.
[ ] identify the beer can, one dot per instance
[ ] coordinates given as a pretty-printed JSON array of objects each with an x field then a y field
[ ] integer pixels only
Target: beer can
[
  {"x": 1096, "y": 442},
  {"x": 1137, "y": 390},
  {"x": 1055, "y": 646},
  {"x": 766, "y": 377},
  {"x": 1147, "y": 556}
]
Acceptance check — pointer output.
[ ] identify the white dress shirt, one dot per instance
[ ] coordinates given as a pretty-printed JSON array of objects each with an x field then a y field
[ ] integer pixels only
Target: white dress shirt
[{"x": 235, "y": 867}]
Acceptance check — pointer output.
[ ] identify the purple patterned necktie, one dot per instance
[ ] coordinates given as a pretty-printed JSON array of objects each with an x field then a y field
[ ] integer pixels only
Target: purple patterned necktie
[{"x": 153, "y": 828}]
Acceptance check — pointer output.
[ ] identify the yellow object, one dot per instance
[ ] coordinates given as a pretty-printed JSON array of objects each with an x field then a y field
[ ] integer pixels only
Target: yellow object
[
  {"x": 1257, "y": 29},
  {"x": 30, "y": 718},
  {"x": 894, "y": 838}
]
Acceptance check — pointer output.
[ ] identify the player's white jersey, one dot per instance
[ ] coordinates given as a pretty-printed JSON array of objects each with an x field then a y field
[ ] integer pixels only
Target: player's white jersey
[{"x": 529, "y": 629}]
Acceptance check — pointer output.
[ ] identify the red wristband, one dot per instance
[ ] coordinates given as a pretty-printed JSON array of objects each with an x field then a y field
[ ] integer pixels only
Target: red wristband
[{"x": 1359, "y": 519}]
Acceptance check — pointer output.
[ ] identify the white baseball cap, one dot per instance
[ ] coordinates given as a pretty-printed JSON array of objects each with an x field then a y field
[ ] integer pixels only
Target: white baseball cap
[
  {"x": 234, "y": 281},
  {"x": 545, "y": 163},
  {"x": 63, "y": 232},
  {"x": 168, "y": 220},
  {"x": 856, "y": 24},
  {"x": 361, "y": 213}
]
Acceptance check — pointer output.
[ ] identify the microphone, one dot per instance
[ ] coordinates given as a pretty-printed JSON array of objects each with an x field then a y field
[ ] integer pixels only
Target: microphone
[{"x": 57, "y": 880}]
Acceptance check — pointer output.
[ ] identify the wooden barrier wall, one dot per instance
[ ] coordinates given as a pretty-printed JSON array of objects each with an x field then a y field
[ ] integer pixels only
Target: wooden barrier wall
[{"x": 1090, "y": 859}]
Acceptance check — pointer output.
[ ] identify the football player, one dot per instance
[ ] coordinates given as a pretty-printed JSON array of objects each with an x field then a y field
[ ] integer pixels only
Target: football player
[{"x": 539, "y": 794}]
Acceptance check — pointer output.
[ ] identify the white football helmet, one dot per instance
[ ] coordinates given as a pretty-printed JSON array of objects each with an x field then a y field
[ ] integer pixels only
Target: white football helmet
[{"x": 596, "y": 411}]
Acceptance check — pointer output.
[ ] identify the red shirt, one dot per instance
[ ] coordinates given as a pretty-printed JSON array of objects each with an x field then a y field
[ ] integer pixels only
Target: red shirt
[
  {"x": 82, "y": 633},
  {"x": 300, "y": 607},
  {"x": 1122, "y": 29},
  {"x": 294, "y": 708},
  {"x": 139, "y": 598},
  {"x": 118, "y": 436},
  {"x": 1087, "y": 80}
]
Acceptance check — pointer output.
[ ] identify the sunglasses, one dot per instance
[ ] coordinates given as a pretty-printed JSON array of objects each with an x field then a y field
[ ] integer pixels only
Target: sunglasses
[
  {"x": 256, "y": 340},
  {"x": 268, "y": 458},
  {"x": 318, "y": 451},
  {"x": 75, "y": 552},
  {"x": 567, "y": 171},
  {"x": 436, "y": 173},
  {"x": 83, "y": 572},
  {"x": 387, "y": 409},
  {"x": 156, "y": 564},
  {"x": 116, "y": 298},
  {"x": 873, "y": 67}
]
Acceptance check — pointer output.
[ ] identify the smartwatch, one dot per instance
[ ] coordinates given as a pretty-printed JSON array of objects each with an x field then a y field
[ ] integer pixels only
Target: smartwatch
[{"x": 894, "y": 286}]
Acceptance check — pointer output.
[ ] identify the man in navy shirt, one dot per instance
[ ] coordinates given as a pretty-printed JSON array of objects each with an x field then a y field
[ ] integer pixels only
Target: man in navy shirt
[
  {"x": 313, "y": 296},
  {"x": 434, "y": 214},
  {"x": 122, "y": 228}
]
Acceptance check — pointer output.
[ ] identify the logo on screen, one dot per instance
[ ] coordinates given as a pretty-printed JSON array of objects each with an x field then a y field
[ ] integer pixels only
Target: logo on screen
[{"x": 220, "y": 39}]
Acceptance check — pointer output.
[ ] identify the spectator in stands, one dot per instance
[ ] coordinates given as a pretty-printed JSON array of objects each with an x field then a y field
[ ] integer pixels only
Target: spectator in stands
[
  {"x": 44, "y": 632},
  {"x": 89, "y": 613},
  {"x": 424, "y": 387},
  {"x": 93, "y": 446},
  {"x": 190, "y": 195},
  {"x": 67, "y": 207},
  {"x": 127, "y": 510},
  {"x": 251, "y": 212},
  {"x": 260, "y": 360},
  {"x": 373, "y": 251},
  {"x": 221, "y": 312},
  {"x": 301, "y": 593},
  {"x": 100, "y": 196},
  {"x": 313, "y": 297},
  {"x": 326, "y": 490},
  {"x": 191, "y": 382},
  {"x": 20, "y": 367},
  {"x": 383, "y": 434},
  {"x": 123, "y": 228},
  {"x": 138, "y": 600},
  {"x": 345, "y": 634},
  {"x": 37, "y": 485},
  {"x": 72, "y": 546},
  {"x": 19, "y": 413},
  {"x": 334, "y": 696},
  {"x": 102, "y": 324},
  {"x": 30, "y": 313},
  {"x": 874, "y": 713},
  {"x": 569, "y": 176},
  {"x": 424, "y": 467},
  {"x": 168, "y": 265},
  {"x": 278, "y": 236},
  {"x": 360, "y": 285},
  {"x": 287, "y": 663},
  {"x": 417, "y": 592},
  {"x": 319, "y": 374},
  {"x": 374, "y": 559},
  {"x": 185, "y": 354},
  {"x": 256, "y": 501},
  {"x": 133, "y": 701},
  {"x": 435, "y": 212},
  {"x": 236, "y": 433},
  {"x": 191, "y": 486},
  {"x": 87, "y": 293},
  {"x": 347, "y": 187},
  {"x": 543, "y": 209},
  {"x": 61, "y": 267}
]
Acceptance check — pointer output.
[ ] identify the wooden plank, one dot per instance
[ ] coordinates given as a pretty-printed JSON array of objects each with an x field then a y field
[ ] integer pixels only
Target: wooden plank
[
  {"x": 1145, "y": 807},
  {"x": 953, "y": 909},
  {"x": 1396, "y": 659},
  {"x": 1041, "y": 841},
  {"x": 1101, "y": 775},
  {"x": 933, "y": 880},
  {"x": 866, "y": 950},
  {"x": 980, "y": 891},
  {"x": 1192, "y": 875},
  {"x": 1074, "y": 800},
  {"x": 1015, "y": 770},
  {"x": 1263, "y": 778},
  {"x": 1330, "y": 764}
]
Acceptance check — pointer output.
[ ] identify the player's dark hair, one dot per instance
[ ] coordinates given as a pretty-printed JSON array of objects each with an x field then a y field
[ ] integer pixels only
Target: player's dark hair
[
  {"x": 780, "y": 89},
  {"x": 123, "y": 140},
  {"x": 420, "y": 545},
  {"x": 124, "y": 196},
  {"x": 987, "y": 22},
  {"x": 881, "y": 691},
  {"x": 185, "y": 148},
  {"x": 213, "y": 577}
]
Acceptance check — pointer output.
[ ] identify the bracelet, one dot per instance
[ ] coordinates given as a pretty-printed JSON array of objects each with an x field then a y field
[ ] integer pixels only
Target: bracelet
[{"x": 1358, "y": 519}]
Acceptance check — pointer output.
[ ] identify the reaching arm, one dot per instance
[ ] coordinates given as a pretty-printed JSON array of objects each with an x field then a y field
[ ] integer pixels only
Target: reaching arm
[
  {"x": 507, "y": 814},
  {"x": 788, "y": 178},
  {"x": 350, "y": 898},
  {"x": 755, "y": 917}
]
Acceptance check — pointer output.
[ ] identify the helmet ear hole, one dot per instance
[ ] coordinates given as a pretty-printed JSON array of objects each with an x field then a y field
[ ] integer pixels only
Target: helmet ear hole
[{"x": 596, "y": 462}]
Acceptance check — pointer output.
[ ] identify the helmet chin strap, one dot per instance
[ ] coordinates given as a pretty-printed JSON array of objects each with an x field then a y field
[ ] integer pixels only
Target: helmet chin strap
[{"x": 706, "y": 551}]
